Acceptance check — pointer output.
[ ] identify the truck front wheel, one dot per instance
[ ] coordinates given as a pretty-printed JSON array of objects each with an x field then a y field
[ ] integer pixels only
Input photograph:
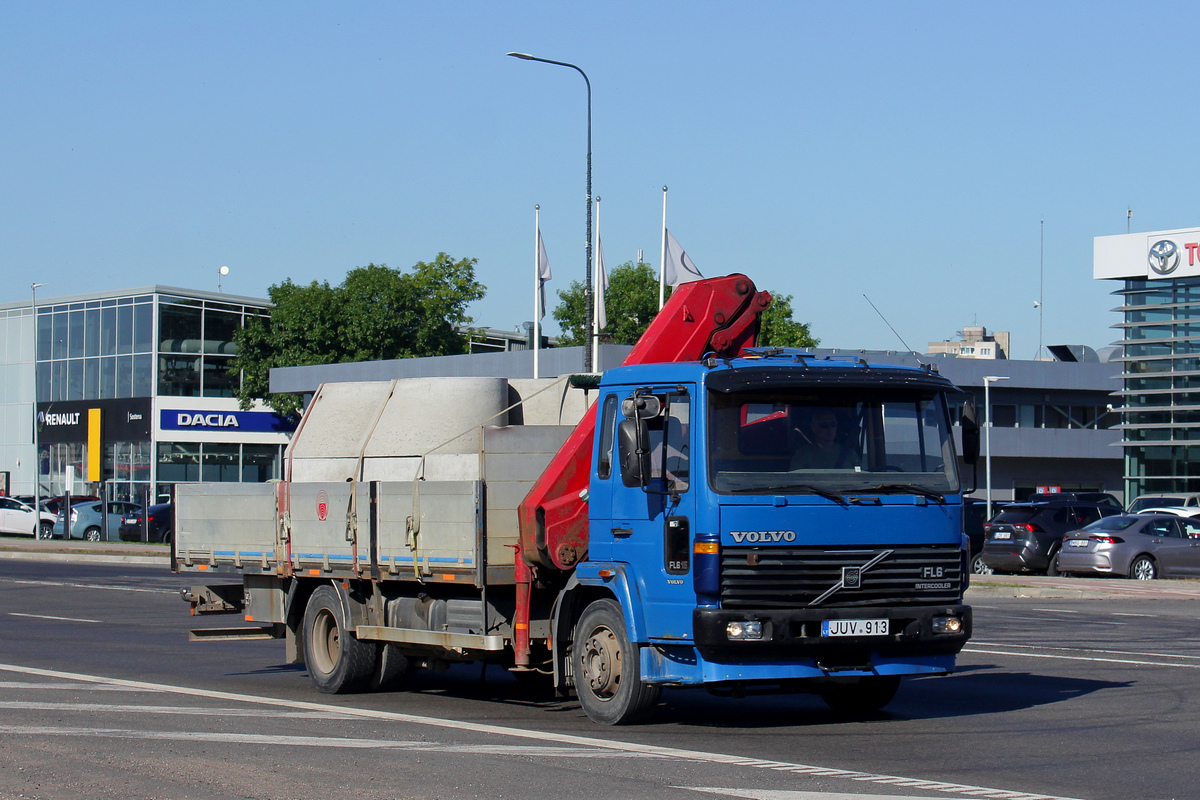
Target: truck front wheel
[
  {"x": 337, "y": 661},
  {"x": 606, "y": 669}
]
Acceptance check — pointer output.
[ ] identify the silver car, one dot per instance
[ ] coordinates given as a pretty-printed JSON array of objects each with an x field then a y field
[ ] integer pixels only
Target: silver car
[{"x": 1138, "y": 546}]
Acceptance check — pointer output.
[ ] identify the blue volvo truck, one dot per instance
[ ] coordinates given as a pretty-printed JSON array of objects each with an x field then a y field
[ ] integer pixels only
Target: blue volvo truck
[{"x": 710, "y": 515}]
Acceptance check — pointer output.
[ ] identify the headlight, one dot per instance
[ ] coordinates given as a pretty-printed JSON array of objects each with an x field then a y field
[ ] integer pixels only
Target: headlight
[
  {"x": 742, "y": 630},
  {"x": 947, "y": 625}
]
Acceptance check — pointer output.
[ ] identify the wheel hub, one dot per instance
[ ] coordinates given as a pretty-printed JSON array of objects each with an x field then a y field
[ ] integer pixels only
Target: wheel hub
[{"x": 602, "y": 663}]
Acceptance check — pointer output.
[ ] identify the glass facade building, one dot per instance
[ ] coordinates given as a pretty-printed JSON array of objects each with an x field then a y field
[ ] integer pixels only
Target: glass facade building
[
  {"x": 1160, "y": 342},
  {"x": 133, "y": 390}
]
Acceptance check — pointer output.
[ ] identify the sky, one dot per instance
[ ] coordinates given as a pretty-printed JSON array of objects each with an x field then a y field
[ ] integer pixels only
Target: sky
[{"x": 949, "y": 163}]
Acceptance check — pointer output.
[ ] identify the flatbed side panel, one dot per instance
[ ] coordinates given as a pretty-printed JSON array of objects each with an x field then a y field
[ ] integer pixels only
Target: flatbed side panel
[
  {"x": 514, "y": 458},
  {"x": 224, "y": 522},
  {"x": 321, "y": 538},
  {"x": 445, "y": 548}
]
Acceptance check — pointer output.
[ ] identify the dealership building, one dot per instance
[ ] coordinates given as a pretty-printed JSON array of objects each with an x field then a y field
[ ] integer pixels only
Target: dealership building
[
  {"x": 1159, "y": 291},
  {"x": 132, "y": 391}
]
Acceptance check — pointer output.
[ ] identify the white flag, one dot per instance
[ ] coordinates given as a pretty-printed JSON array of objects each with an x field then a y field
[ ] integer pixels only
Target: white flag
[
  {"x": 543, "y": 275},
  {"x": 601, "y": 286},
  {"x": 679, "y": 268}
]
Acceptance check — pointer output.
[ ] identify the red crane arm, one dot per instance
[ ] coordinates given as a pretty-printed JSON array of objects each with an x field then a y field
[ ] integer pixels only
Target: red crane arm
[{"x": 713, "y": 315}]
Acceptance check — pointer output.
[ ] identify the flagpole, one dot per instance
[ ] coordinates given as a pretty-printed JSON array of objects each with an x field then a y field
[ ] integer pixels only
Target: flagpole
[
  {"x": 598, "y": 288},
  {"x": 537, "y": 289},
  {"x": 662, "y": 261}
]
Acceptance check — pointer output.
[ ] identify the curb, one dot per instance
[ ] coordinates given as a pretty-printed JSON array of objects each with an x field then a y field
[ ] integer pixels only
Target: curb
[{"x": 83, "y": 558}]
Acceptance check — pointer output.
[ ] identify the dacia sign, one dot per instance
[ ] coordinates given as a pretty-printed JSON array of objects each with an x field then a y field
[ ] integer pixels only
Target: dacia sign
[
  {"x": 180, "y": 419},
  {"x": 1154, "y": 256}
]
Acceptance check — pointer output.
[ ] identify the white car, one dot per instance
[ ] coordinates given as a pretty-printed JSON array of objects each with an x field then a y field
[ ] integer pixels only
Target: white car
[
  {"x": 1178, "y": 511},
  {"x": 17, "y": 517}
]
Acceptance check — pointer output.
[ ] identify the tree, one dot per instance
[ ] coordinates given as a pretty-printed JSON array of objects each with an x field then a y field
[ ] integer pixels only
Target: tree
[
  {"x": 376, "y": 313},
  {"x": 630, "y": 304},
  {"x": 777, "y": 329}
]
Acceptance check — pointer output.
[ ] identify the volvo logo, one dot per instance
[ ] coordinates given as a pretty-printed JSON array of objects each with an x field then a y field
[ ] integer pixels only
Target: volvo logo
[
  {"x": 1163, "y": 257},
  {"x": 852, "y": 577}
]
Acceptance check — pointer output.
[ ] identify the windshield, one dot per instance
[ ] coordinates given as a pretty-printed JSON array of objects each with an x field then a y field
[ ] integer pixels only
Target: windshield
[
  {"x": 1113, "y": 523},
  {"x": 1158, "y": 501},
  {"x": 811, "y": 440}
]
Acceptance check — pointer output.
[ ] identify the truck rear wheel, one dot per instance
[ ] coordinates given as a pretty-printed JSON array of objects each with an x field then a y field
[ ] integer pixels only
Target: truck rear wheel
[
  {"x": 606, "y": 668},
  {"x": 861, "y": 695},
  {"x": 337, "y": 661}
]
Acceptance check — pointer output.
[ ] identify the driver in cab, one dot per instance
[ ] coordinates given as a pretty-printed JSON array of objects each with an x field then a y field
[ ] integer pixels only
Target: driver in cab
[{"x": 818, "y": 444}]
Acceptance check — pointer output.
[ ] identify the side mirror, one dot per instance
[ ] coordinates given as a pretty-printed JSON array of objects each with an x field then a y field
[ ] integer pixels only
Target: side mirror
[
  {"x": 641, "y": 406},
  {"x": 633, "y": 450},
  {"x": 970, "y": 432}
]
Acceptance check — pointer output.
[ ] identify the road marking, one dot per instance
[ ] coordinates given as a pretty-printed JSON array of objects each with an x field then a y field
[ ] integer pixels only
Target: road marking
[
  {"x": 199, "y": 711},
  {"x": 1124, "y": 614},
  {"x": 1056, "y": 610},
  {"x": 772, "y": 794},
  {"x": 546, "y": 736},
  {"x": 73, "y": 686},
  {"x": 529, "y": 751},
  {"x": 27, "y": 582},
  {"x": 1085, "y": 650},
  {"x": 46, "y": 616},
  {"x": 1082, "y": 658}
]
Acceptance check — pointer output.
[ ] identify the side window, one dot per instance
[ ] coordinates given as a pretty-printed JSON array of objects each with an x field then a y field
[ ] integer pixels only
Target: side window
[
  {"x": 608, "y": 424},
  {"x": 1191, "y": 528},
  {"x": 1160, "y": 527},
  {"x": 1087, "y": 515},
  {"x": 1063, "y": 516},
  {"x": 678, "y": 448}
]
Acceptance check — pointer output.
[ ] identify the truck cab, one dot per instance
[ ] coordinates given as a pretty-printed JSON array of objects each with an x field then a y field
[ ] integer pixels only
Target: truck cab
[{"x": 779, "y": 518}]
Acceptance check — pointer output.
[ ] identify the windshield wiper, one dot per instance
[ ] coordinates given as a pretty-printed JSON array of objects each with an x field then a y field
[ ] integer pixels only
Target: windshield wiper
[
  {"x": 899, "y": 488},
  {"x": 791, "y": 487}
]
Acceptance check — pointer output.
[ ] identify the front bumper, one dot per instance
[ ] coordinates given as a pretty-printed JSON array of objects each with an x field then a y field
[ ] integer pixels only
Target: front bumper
[{"x": 796, "y": 634}]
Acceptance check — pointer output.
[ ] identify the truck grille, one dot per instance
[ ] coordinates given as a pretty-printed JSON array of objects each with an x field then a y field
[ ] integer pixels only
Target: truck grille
[{"x": 794, "y": 577}]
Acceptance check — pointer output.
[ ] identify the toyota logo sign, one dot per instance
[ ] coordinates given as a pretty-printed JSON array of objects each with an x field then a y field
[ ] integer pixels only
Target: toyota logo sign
[{"x": 1164, "y": 257}]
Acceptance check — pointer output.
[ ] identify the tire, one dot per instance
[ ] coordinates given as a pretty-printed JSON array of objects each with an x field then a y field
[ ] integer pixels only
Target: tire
[
  {"x": 861, "y": 696},
  {"x": 167, "y": 536},
  {"x": 1052, "y": 565},
  {"x": 338, "y": 663},
  {"x": 606, "y": 668},
  {"x": 391, "y": 669},
  {"x": 980, "y": 568},
  {"x": 46, "y": 530},
  {"x": 92, "y": 534},
  {"x": 1143, "y": 568}
]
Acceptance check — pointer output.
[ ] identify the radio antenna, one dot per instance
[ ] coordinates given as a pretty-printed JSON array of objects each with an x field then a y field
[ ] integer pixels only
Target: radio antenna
[{"x": 898, "y": 336}]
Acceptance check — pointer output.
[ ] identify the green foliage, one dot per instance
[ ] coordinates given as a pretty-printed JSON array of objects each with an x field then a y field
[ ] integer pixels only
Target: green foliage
[
  {"x": 376, "y": 313},
  {"x": 631, "y": 303},
  {"x": 777, "y": 329}
]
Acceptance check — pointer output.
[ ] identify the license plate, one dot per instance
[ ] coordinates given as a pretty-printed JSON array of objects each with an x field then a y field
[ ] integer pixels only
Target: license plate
[
  {"x": 130, "y": 520},
  {"x": 1077, "y": 543},
  {"x": 854, "y": 627},
  {"x": 1002, "y": 535}
]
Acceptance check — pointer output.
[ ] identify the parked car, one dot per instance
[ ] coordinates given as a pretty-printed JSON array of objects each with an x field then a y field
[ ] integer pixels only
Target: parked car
[
  {"x": 974, "y": 515},
  {"x": 1176, "y": 510},
  {"x": 1099, "y": 498},
  {"x": 55, "y": 504},
  {"x": 87, "y": 520},
  {"x": 1165, "y": 500},
  {"x": 161, "y": 524},
  {"x": 1026, "y": 537},
  {"x": 1138, "y": 546},
  {"x": 20, "y": 518}
]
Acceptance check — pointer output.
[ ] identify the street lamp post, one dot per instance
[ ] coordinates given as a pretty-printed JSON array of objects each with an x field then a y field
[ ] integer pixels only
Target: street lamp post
[
  {"x": 587, "y": 350},
  {"x": 987, "y": 434},
  {"x": 37, "y": 456}
]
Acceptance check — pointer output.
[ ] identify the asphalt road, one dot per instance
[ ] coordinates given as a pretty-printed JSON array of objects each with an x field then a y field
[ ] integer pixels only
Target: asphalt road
[{"x": 102, "y": 696}]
